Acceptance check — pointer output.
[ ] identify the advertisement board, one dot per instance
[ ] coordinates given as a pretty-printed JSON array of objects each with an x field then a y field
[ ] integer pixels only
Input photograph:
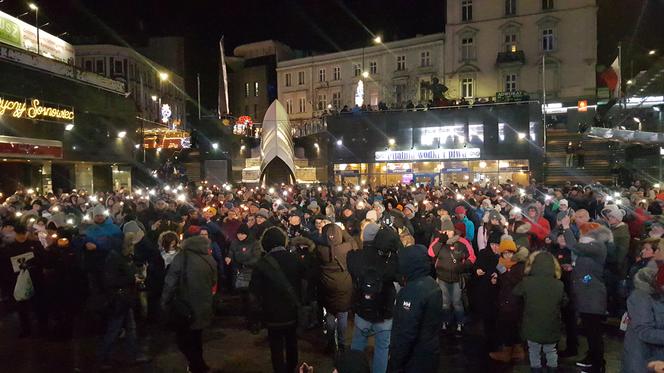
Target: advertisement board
[
  {"x": 431, "y": 154},
  {"x": 22, "y": 35}
]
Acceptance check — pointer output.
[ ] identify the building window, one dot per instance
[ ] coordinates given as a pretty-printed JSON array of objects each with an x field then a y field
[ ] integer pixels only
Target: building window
[
  {"x": 467, "y": 48},
  {"x": 547, "y": 40},
  {"x": 322, "y": 102},
  {"x": 501, "y": 132},
  {"x": 373, "y": 67},
  {"x": 425, "y": 58},
  {"x": 88, "y": 65},
  {"x": 300, "y": 77},
  {"x": 118, "y": 67},
  {"x": 401, "y": 63},
  {"x": 357, "y": 69},
  {"x": 336, "y": 73},
  {"x": 288, "y": 79},
  {"x": 303, "y": 105},
  {"x": 510, "y": 82},
  {"x": 510, "y": 7},
  {"x": 466, "y": 10},
  {"x": 255, "y": 89},
  {"x": 547, "y": 4},
  {"x": 289, "y": 106},
  {"x": 99, "y": 69},
  {"x": 336, "y": 100},
  {"x": 510, "y": 42},
  {"x": 321, "y": 75},
  {"x": 467, "y": 87}
]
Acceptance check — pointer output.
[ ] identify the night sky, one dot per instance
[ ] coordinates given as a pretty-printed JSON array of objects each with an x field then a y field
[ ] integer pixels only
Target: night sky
[{"x": 320, "y": 25}]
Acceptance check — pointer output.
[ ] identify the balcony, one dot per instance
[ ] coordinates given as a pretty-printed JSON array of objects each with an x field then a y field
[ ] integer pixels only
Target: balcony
[{"x": 511, "y": 58}]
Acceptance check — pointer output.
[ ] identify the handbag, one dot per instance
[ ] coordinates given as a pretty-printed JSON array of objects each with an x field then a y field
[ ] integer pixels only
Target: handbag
[
  {"x": 243, "y": 278},
  {"x": 23, "y": 290},
  {"x": 179, "y": 313}
]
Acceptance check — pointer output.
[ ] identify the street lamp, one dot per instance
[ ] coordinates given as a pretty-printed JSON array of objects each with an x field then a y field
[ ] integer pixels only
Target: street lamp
[
  {"x": 163, "y": 76},
  {"x": 521, "y": 135},
  {"x": 215, "y": 145},
  {"x": 122, "y": 134},
  {"x": 378, "y": 39},
  {"x": 365, "y": 74},
  {"x": 339, "y": 142},
  {"x": 35, "y": 8},
  {"x": 154, "y": 98},
  {"x": 391, "y": 142},
  {"x": 652, "y": 52}
]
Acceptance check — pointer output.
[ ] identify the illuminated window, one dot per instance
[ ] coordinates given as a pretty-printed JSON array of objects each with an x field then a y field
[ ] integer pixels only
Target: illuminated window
[
  {"x": 533, "y": 131},
  {"x": 501, "y": 132},
  {"x": 322, "y": 102},
  {"x": 466, "y": 10},
  {"x": 255, "y": 89},
  {"x": 401, "y": 63},
  {"x": 289, "y": 106},
  {"x": 336, "y": 73},
  {"x": 321, "y": 75},
  {"x": 288, "y": 79},
  {"x": 510, "y": 82},
  {"x": 476, "y": 132},
  {"x": 336, "y": 100},
  {"x": 467, "y": 48},
  {"x": 246, "y": 89},
  {"x": 303, "y": 105},
  {"x": 467, "y": 87},
  {"x": 510, "y": 42}
]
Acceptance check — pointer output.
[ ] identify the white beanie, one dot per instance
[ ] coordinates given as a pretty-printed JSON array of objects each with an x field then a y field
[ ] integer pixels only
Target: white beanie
[
  {"x": 372, "y": 215},
  {"x": 99, "y": 210}
]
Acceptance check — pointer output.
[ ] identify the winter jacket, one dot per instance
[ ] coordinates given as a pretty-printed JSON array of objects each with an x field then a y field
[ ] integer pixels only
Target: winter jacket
[
  {"x": 359, "y": 262},
  {"x": 617, "y": 260},
  {"x": 483, "y": 294},
  {"x": 414, "y": 342},
  {"x": 539, "y": 227},
  {"x": 543, "y": 296},
  {"x": 120, "y": 282},
  {"x": 276, "y": 309},
  {"x": 451, "y": 259},
  {"x": 244, "y": 253},
  {"x": 336, "y": 283},
  {"x": 106, "y": 236},
  {"x": 644, "y": 338},
  {"x": 509, "y": 305},
  {"x": 588, "y": 273},
  {"x": 201, "y": 279}
]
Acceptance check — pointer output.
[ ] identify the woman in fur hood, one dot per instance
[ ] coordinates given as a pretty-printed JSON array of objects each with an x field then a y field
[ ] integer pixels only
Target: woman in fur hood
[{"x": 491, "y": 220}]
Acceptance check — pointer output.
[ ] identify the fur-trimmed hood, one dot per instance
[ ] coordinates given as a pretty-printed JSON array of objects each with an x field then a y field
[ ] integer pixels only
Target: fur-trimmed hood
[
  {"x": 599, "y": 234},
  {"x": 533, "y": 206},
  {"x": 521, "y": 254},
  {"x": 643, "y": 279},
  {"x": 542, "y": 264}
]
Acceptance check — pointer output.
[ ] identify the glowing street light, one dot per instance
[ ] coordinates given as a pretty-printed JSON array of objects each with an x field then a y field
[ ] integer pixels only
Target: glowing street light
[
  {"x": 122, "y": 134},
  {"x": 154, "y": 98},
  {"x": 69, "y": 127},
  {"x": 378, "y": 39},
  {"x": 521, "y": 135},
  {"x": 391, "y": 142},
  {"x": 340, "y": 142},
  {"x": 163, "y": 76},
  {"x": 365, "y": 74},
  {"x": 215, "y": 145},
  {"x": 652, "y": 52},
  {"x": 35, "y": 8}
]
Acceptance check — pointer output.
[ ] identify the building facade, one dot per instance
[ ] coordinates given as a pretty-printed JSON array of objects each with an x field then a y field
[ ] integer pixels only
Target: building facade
[
  {"x": 393, "y": 73},
  {"x": 160, "y": 99},
  {"x": 252, "y": 77},
  {"x": 499, "y": 47}
]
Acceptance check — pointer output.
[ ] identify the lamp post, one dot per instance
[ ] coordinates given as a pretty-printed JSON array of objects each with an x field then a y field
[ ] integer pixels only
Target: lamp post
[{"x": 35, "y": 8}]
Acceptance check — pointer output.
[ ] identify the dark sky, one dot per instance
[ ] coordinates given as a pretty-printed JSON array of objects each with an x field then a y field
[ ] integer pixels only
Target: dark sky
[{"x": 322, "y": 25}]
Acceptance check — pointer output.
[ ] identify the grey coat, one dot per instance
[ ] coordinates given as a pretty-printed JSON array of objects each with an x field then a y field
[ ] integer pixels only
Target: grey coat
[
  {"x": 588, "y": 274},
  {"x": 201, "y": 277},
  {"x": 644, "y": 339}
]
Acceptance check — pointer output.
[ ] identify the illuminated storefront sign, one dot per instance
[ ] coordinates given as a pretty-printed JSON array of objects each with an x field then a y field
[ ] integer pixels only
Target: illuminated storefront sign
[
  {"x": 418, "y": 155},
  {"x": 34, "y": 109}
]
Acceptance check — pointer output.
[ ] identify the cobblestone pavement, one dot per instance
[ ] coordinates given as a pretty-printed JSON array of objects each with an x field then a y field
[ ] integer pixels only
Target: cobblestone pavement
[{"x": 229, "y": 347}]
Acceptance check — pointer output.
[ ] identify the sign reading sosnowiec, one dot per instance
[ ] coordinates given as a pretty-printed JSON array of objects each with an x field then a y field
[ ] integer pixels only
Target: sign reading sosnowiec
[
  {"x": 421, "y": 155},
  {"x": 35, "y": 109},
  {"x": 22, "y": 35}
]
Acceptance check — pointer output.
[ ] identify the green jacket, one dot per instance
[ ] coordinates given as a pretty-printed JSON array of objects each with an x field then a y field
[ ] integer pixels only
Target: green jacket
[{"x": 543, "y": 296}]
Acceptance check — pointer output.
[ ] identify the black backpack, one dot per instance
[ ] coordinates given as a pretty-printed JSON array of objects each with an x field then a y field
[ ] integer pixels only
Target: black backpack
[{"x": 369, "y": 287}]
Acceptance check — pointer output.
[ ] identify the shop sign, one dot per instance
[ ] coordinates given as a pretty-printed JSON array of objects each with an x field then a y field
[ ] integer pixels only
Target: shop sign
[
  {"x": 421, "y": 155},
  {"x": 514, "y": 169},
  {"x": 454, "y": 170},
  {"x": 34, "y": 109},
  {"x": 24, "y": 147}
]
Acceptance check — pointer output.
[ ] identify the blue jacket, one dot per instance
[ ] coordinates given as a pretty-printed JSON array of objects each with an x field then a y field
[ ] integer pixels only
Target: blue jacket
[
  {"x": 106, "y": 236},
  {"x": 644, "y": 339},
  {"x": 470, "y": 229}
]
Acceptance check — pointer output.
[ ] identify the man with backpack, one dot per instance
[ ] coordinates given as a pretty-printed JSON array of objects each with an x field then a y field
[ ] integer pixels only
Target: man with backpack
[{"x": 373, "y": 294}]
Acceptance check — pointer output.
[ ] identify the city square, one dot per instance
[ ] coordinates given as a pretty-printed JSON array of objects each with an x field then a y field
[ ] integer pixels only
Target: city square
[{"x": 344, "y": 186}]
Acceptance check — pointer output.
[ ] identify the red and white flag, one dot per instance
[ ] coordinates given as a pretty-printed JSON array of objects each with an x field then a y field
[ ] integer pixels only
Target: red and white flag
[{"x": 617, "y": 89}]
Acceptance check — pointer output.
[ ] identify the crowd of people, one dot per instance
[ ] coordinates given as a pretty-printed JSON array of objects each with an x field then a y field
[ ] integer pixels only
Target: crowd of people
[{"x": 522, "y": 266}]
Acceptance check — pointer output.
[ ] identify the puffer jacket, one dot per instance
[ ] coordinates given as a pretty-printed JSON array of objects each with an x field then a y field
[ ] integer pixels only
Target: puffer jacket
[
  {"x": 539, "y": 226},
  {"x": 644, "y": 339},
  {"x": 588, "y": 274},
  {"x": 201, "y": 273},
  {"x": 451, "y": 260},
  {"x": 336, "y": 283}
]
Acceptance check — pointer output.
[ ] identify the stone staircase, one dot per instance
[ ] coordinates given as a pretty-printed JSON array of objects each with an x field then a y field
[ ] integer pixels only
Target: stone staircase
[{"x": 597, "y": 159}]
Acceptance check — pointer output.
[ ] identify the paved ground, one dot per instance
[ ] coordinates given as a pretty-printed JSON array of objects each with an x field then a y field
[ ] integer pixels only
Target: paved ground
[{"x": 228, "y": 347}]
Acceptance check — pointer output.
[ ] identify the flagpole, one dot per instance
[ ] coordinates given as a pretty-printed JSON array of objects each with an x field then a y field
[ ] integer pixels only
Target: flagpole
[
  {"x": 620, "y": 75},
  {"x": 544, "y": 99}
]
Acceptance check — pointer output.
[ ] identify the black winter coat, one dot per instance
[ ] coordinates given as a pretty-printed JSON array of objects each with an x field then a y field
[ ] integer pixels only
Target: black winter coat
[
  {"x": 358, "y": 262},
  {"x": 483, "y": 294}
]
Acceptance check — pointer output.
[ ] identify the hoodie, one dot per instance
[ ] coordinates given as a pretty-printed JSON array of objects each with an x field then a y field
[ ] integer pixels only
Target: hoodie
[
  {"x": 414, "y": 345},
  {"x": 539, "y": 226}
]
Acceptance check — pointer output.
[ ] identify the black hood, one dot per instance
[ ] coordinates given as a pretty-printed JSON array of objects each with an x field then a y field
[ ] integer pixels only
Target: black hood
[{"x": 414, "y": 262}]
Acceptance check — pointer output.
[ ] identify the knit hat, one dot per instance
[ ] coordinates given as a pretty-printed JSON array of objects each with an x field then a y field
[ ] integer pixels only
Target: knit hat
[
  {"x": 210, "y": 210},
  {"x": 379, "y": 205},
  {"x": 493, "y": 215},
  {"x": 460, "y": 228},
  {"x": 563, "y": 202},
  {"x": 244, "y": 229},
  {"x": 372, "y": 215},
  {"x": 99, "y": 210},
  {"x": 507, "y": 244},
  {"x": 133, "y": 227},
  {"x": 273, "y": 237},
  {"x": 613, "y": 211},
  {"x": 193, "y": 230},
  {"x": 494, "y": 236},
  {"x": 263, "y": 213},
  {"x": 585, "y": 228},
  {"x": 370, "y": 232},
  {"x": 515, "y": 213},
  {"x": 446, "y": 224},
  {"x": 460, "y": 210},
  {"x": 313, "y": 206},
  {"x": 410, "y": 207}
]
